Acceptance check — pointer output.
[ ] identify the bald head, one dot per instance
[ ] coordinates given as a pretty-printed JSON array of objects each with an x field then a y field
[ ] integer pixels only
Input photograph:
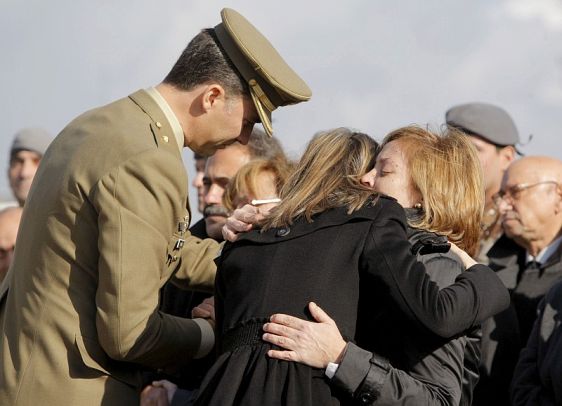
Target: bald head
[
  {"x": 537, "y": 169},
  {"x": 531, "y": 209},
  {"x": 9, "y": 223}
]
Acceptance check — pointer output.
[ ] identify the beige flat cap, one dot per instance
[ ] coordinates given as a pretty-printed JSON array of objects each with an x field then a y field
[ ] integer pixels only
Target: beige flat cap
[{"x": 271, "y": 81}]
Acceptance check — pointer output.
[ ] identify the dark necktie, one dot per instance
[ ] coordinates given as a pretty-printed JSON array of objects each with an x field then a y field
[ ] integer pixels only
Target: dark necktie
[{"x": 533, "y": 265}]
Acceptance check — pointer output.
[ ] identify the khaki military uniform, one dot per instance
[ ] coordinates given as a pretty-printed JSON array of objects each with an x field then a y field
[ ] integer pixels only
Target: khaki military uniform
[{"x": 104, "y": 227}]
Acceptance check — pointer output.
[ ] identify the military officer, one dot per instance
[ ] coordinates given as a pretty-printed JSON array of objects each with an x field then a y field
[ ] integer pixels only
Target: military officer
[{"x": 106, "y": 225}]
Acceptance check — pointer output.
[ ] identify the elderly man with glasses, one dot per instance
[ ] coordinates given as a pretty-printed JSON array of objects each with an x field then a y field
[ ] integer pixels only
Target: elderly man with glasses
[{"x": 528, "y": 259}]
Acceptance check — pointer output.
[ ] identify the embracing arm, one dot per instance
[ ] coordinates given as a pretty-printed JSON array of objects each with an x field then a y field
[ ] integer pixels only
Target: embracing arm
[
  {"x": 138, "y": 206},
  {"x": 389, "y": 265},
  {"x": 196, "y": 268},
  {"x": 363, "y": 375}
]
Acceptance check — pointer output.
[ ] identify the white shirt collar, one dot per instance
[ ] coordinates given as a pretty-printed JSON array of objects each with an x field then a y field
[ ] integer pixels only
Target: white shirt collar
[
  {"x": 546, "y": 252},
  {"x": 168, "y": 112}
]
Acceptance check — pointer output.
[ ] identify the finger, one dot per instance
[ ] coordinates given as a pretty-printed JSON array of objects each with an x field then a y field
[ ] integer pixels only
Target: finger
[
  {"x": 228, "y": 235},
  {"x": 199, "y": 313},
  {"x": 281, "y": 330},
  {"x": 210, "y": 300},
  {"x": 319, "y": 314},
  {"x": 205, "y": 307},
  {"x": 169, "y": 385},
  {"x": 248, "y": 214},
  {"x": 236, "y": 225},
  {"x": 283, "y": 355},
  {"x": 290, "y": 321},
  {"x": 247, "y": 209},
  {"x": 159, "y": 383},
  {"x": 280, "y": 341},
  {"x": 154, "y": 397}
]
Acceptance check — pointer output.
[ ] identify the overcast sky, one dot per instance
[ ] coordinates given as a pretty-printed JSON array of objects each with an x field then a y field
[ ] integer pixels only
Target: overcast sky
[{"x": 371, "y": 65}]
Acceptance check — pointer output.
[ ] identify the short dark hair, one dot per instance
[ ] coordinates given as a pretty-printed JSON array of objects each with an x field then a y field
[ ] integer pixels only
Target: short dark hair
[{"x": 203, "y": 61}]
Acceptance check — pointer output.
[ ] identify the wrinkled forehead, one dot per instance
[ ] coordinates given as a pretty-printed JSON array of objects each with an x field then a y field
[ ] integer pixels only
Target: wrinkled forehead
[{"x": 520, "y": 173}]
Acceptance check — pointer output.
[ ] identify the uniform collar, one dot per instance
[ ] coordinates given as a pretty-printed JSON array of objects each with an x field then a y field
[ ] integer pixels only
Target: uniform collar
[{"x": 168, "y": 112}]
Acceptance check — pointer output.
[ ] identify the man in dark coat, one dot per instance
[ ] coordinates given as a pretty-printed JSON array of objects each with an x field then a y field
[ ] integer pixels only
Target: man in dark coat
[
  {"x": 528, "y": 260},
  {"x": 537, "y": 380}
]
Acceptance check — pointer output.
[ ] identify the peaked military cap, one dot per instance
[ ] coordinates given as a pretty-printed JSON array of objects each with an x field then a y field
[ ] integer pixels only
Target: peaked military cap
[
  {"x": 272, "y": 82},
  {"x": 485, "y": 120}
]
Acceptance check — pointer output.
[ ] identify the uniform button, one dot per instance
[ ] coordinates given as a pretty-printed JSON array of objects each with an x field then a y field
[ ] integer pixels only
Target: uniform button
[
  {"x": 165, "y": 138},
  {"x": 158, "y": 124},
  {"x": 282, "y": 232}
]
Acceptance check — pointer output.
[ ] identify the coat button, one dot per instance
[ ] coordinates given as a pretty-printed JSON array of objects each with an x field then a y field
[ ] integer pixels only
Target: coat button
[
  {"x": 282, "y": 232},
  {"x": 367, "y": 398}
]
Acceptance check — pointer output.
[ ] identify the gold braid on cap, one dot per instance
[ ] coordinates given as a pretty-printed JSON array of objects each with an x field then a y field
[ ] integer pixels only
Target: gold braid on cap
[{"x": 260, "y": 94}]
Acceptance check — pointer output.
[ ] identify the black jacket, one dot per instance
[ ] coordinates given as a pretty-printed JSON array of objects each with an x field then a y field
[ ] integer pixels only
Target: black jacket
[
  {"x": 505, "y": 334},
  {"x": 537, "y": 380},
  {"x": 435, "y": 371}
]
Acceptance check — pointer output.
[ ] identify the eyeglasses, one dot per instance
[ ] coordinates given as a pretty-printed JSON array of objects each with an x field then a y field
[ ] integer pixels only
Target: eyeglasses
[{"x": 514, "y": 192}]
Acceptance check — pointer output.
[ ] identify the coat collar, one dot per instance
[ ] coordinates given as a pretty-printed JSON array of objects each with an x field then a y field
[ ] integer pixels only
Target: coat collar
[
  {"x": 300, "y": 227},
  {"x": 160, "y": 126},
  {"x": 554, "y": 260}
]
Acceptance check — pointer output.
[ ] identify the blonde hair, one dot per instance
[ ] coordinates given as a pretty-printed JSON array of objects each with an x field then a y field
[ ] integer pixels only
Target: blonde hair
[
  {"x": 444, "y": 169},
  {"x": 327, "y": 176},
  {"x": 244, "y": 183}
]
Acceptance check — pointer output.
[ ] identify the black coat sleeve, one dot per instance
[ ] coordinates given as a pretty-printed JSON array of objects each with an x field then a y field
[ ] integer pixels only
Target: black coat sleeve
[
  {"x": 437, "y": 379},
  {"x": 389, "y": 265}
]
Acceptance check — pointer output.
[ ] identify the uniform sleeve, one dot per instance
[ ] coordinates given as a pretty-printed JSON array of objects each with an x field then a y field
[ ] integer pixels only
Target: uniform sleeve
[
  {"x": 526, "y": 388},
  {"x": 370, "y": 379},
  {"x": 136, "y": 205},
  {"x": 196, "y": 269},
  {"x": 476, "y": 295}
]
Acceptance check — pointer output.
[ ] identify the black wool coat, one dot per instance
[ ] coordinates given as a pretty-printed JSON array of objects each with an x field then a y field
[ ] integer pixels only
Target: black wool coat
[{"x": 356, "y": 267}]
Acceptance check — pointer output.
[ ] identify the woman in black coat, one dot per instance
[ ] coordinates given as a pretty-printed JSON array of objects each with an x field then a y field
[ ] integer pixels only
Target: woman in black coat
[{"x": 332, "y": 241}]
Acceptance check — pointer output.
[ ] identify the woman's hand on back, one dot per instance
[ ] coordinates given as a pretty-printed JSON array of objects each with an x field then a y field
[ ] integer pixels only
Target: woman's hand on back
[{"x": 312, "y": 343}]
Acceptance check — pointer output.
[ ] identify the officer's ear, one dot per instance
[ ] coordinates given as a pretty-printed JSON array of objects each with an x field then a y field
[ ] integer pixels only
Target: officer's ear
[{"x": 213, "y": 96}]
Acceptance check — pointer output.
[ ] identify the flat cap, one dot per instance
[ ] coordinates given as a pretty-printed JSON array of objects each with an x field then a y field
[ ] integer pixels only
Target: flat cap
[
  {"x": 485, "y": 120},
  {"x": 31, "y": 139},
  {"x": 272, "y": 82}
]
